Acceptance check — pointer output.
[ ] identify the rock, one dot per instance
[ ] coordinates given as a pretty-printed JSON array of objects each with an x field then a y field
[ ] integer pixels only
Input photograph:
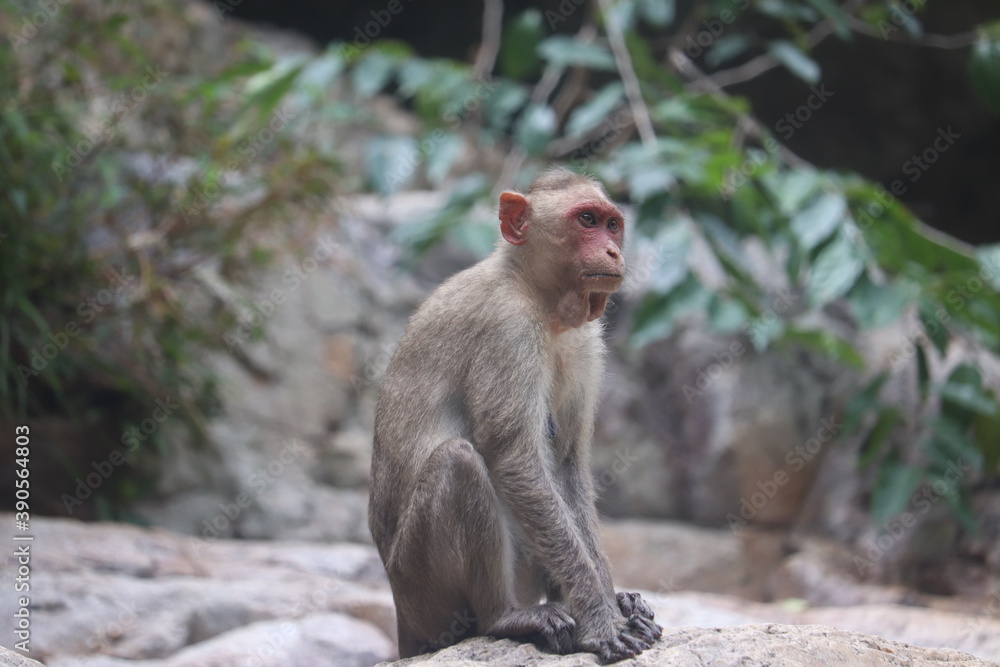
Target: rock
[
  {"x": 934, "y": 628},
  {"x": 316, "y": 639},
  {"x": 822, "y": 573},
  {"x": 10, "y": 658},
  {"x": 768, "y": 644},
  {"x": 686, "y": 557},
  {"x": 331, "y": 309},
  {"x": 913, "y": 624},
  {"x": 762, "y": 565},
  {"x": 345, "y": 459},
  {"x": 283, "y": 397},
  {"x": 112, "y": 594}
]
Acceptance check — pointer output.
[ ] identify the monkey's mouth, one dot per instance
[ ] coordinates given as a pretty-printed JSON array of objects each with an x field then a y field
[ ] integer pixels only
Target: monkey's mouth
[{"x": 605, "y": 282}]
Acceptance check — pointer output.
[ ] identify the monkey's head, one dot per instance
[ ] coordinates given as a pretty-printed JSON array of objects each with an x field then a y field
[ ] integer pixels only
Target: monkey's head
[{"x": 566, "y": 237}]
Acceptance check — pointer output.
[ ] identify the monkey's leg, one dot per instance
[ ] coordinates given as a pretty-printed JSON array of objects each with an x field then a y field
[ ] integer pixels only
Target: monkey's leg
[{"x": 452, "y": 563}]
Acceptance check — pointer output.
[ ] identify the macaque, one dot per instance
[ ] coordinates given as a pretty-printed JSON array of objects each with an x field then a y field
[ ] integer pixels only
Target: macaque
[{"x": 482, "y": 498}]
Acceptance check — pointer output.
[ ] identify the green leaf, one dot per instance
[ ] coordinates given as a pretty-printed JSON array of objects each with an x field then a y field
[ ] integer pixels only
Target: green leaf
[
  {"x": 563, "y": 51},
  {"x": 792, "y": 188},
  {"x": 963, "y": 395},
  {"x": 390, "y": 162},
  {"x": 726, "y": 315},
  {"x": 832, "y": 11},
  {"x": 658, "y": 314},
  {"x": 825, "y": 343},
  {"x": 659, "y": 13},
  {"x": 505, "y": 101},
  {"x": 923, "y": 372},
  {"x": 834, "y": 272},
  {"x": 372, "y": 74},
  {"x": 243, "y": 68},
  {"x": 795, "y": 60},
  {"x": 646, "y": 64},
  {"x": 421, "y": 235},
  {"x": 949, "y": 443},
  {"x": 987, "y": 435},
  {"x": 790, "y": 11},
  {"x": 725, "y": 49},
  {"x": 878, "y": 305},
  {"x": 984, "y": 65},
  {"x": 415, "y": 75},
  {"x": 442, "y": 157},
  {"x": 265, "y": 89},
  {"x": 864, "y": 403},
  {"x": 596, "y": 110},
  {"x": 935, "y": 329},
  {"x": 894, "y": 489},
  {"x": 647, "y": 183},
  {"x": 763, "y": 329},
  {"x": 989, "y": 264},
  {"x": 320, "y": 74},
  {"x": 536, "y": 128},
  {"x": 900, "y": 248},
  {"x": 727, "y": 246},
  {"x": 519, "y": 46},
  {"x": 959, "y": 502},
  {"x": 673, "y": 244},
  {"x": 819, "y": 220},
  {"x": 872, "y": 447}
]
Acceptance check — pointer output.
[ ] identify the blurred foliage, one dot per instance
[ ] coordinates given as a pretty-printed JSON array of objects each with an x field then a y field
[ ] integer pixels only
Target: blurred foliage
[
  {"x": 153, "y": 185},
  {"x": 985, "y": 65},
  {"x": 714, "y": 177},
  {"x": 130, "y": 178}
]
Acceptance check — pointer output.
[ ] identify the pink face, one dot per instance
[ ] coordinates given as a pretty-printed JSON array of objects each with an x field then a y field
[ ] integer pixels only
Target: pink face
[{"x": 600, "y": 229}]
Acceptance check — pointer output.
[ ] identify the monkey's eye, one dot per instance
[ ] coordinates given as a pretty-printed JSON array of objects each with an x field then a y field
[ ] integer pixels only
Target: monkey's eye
[
  {"x": 614, "y": 224},
  {"x": 588, "y": 219}
]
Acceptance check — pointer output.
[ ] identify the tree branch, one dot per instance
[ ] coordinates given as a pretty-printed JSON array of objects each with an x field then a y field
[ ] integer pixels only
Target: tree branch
[
  {"x": 540, "y": 93},
  {"x": 625, "y": 69},
  {"x": 957, "y": 41},
  {"x": 762, "y": 63},
  {"x": 746, "y": 123},
  {"x": 486, "y": 57}
]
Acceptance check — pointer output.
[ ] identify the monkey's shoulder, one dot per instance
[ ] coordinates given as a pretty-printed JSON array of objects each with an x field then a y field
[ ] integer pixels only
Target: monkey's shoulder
[{"x": 483, "y": 295}]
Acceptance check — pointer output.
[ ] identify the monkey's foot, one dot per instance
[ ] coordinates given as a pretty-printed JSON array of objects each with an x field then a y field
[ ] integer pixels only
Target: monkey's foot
[
  {"x": 638, "y": 634},
  {"x": 632, "y": 603},
  {"x": 549, "y": 625}
]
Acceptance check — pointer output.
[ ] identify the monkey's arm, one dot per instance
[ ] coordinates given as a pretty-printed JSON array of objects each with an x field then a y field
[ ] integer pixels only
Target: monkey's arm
[
  {"x": 507, "y": 390},
  {"x": 578, "y": 488},
  {"x": 510, "y": 430},
  {"x": 580, "y": 495},
  {"x": 526, "y": 487}
]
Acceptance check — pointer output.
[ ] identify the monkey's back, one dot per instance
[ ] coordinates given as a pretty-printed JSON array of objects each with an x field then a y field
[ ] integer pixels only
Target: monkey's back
[{"x": 422, "y": 397}]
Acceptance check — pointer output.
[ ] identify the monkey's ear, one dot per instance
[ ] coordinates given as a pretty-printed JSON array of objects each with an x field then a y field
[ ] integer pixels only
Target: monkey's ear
[{"x": 514, "y": 217}]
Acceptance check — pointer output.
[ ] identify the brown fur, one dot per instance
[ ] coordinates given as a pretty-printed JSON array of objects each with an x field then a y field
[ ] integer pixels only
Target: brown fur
[{"x": 482, "y": 502}]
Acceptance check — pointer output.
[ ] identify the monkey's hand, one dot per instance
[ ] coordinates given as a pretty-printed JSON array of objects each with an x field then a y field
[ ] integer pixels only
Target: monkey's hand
[{"x": 628, "y": 638}]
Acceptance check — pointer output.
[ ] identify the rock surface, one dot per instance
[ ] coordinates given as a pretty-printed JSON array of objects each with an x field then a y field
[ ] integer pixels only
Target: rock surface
[
  {"x": 111, "y": 595},
  {"x": 789, "y": 646},
  {"x": 10, "y": 658}
]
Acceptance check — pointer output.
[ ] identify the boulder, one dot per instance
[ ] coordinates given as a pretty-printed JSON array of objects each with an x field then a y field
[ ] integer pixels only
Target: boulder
[
  {"x": 10, "y": 658},
  {"x": 315, "y": 639},
  {"x": 766, "y": 644},
  {"x": 113, "y": 595}
]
